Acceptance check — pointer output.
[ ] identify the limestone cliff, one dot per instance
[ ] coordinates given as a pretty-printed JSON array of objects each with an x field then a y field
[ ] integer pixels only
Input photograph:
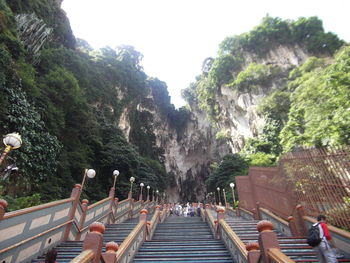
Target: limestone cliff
[
  {"x": 188, "y": 153},
  {"x": 239, "y": 118}
]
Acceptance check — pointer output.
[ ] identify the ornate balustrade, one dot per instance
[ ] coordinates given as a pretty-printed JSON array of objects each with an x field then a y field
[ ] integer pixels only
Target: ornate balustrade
[
  {"x": 26, "y": 233},
  {"x": 270, "y": 250},
  {"x": 127, "y": 249}
]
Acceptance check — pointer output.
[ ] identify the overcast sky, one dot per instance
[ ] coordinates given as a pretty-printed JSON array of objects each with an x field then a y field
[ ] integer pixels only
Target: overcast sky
[{"x": 176, "y": 36}]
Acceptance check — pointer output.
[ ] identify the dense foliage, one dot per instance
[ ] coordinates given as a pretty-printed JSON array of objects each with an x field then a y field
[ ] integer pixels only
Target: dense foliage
[
  {"x": 224, "y": 173},
  {"x": 66, "y": 107},
  {"x": 319, "y": 113}
]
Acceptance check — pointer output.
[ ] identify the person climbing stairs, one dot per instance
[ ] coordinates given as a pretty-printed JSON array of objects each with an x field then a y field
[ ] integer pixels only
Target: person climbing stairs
[{"x": 295, "y": 248}]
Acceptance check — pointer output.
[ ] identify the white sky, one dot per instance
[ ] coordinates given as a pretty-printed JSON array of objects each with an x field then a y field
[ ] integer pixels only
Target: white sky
[{"x": 175, "y": 36}]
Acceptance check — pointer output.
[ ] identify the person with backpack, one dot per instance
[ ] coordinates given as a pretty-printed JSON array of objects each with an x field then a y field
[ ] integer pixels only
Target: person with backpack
[{"x": 320, "y": 239}]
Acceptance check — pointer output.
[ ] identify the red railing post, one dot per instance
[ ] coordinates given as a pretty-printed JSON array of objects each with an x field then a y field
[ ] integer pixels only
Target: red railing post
[
  {"x": 157, "y": 208},
  {"x": 3, "y": 206},
  {"x": 292, "y": 226},
  {"x": 143, "y": 218},
  {"x": 220, "y": 215},
  {"x": 131, "y": 207},
  {"x": 84, "y": 207},
  {"x": 110, "y": 256},
  {"x": 253, "y": 252},
  {"x": 111, "y": 196},
  {"x": 94, "y": 239},
  {"x": 116, "y": 202},
  {"x": 258, "y": 212},
  {"x": 267, "y": 239},
  {"x": 76, "y": 196},
  {"x": 301, "y": 225}
]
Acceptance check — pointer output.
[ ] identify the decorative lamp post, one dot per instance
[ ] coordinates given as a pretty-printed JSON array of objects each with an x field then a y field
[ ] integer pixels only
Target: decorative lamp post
[
  {"x": 219, "y": 195},
  {"x": 141, "y": 185},
  {"x": 157, "y": 192},
  {"x": 214, "y": 197},
  {"x": 148, "y": 187},
  {"x": 132, "y": 180},
  {"x": 12, "y": 141},
  {"x": 88, "y": 173},
  {"x": 232, "y": 185},
  {"x": 115, "y": 174},
  {"x": 164, "y": 197}
]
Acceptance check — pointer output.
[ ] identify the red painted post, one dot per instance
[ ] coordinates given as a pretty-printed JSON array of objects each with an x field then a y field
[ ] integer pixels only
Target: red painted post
[
  {"x": 94, "y": 239},
  {"x": 301, "y": 223},
  {"x": 253, "y": 252},
  {"x": 292, "y": 226},
  {"x": 3, "y": 206},
  {"x": 84, "y": 207},
  {"x": 76, "y": 196},
  {"x": 110, "y": 256},
  {"x": 111, "y": 196},
  {"x": 157, "y": 207},
  {"x": 143, "y": 215},
  {"x": 143, "y": 218},
  {"x": 116, "y": 202},
  {"x": 267, "y": 239},
  {"x": 258, "y": 212},
  {"x": 220, "y": 215},
  {"x": 131, "y": 207}
]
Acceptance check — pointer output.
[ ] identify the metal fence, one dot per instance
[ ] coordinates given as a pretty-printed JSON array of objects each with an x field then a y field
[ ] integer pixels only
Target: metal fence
[
  {"x": 321, "y": 180},
  {"x": 318, "y": 179}
]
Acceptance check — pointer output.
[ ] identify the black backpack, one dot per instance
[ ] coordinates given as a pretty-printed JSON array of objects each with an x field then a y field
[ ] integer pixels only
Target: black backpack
[{"x": 313, "y": 236}]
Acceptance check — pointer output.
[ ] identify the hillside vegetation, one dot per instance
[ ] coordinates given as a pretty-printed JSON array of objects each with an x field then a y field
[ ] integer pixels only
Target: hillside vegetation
[
  {"x": 66, "y": 106},
  {"x": 308, "y": 108}
]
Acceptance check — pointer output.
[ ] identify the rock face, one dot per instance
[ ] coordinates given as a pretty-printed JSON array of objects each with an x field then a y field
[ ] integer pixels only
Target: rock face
[
  {"x": 188, "y": 154},
  {"x": 240, "y": 119},
  {"x": 33, "y": 32}
]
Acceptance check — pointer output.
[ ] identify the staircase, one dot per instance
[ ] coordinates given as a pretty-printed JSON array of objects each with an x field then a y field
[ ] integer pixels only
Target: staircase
[
  {"x": 183, "y": 239},
  {"x": 68, "y": 250},
  {"x": 294, "y": 247}
]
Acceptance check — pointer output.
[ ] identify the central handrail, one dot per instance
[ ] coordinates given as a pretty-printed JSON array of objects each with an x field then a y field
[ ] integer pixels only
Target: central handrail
[
  {"x": 277, "y": 256},
  {"x": 99, "y": 202},
  {"x": 234, "y": 238},
  {"x": 36, "y": 208},
  {"x": 84, "y": 257},
  {"x": 124, "y": 248}
]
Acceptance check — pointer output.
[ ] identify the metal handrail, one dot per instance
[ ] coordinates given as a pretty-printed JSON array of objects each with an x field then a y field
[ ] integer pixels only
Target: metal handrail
[{"x": 277, "y": 256}]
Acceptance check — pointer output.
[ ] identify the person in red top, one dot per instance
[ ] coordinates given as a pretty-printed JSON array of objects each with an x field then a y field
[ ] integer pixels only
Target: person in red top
[{"x": 325, "y": 251}]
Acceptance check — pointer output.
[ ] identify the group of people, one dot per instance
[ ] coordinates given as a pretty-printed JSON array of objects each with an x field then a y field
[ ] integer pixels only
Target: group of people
[{"x": 183, "y": 210}]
